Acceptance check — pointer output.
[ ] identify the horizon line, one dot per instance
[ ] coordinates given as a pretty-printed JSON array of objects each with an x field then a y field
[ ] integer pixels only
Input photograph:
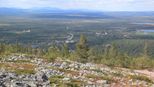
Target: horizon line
[{"x": 88, "y": 10}]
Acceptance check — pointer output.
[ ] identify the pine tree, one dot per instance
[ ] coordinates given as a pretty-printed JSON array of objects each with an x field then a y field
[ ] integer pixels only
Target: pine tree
[
  {"x": 113, "y": 52},
  {"x": 82, "y": 49},
  {"x": 145, "y": 50},
  {"x": 65, "y": 50},
  {"x": 53, "y": 52}
]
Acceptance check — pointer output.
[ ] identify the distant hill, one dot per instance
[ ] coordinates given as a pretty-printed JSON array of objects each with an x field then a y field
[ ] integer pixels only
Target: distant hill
[
  {"x": 61, "y": 13},
  {"x": 129, "y": 14},
  {"x": 51, "y": 13},
  {"x": 11, "y": 11}
]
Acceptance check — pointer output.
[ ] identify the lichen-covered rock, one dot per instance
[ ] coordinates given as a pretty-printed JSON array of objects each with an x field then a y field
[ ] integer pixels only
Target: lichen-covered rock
[{"x": 69, "y": 72}]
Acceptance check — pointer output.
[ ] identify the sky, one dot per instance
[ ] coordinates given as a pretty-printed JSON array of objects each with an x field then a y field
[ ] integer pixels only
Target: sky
[{"x": 99, "y": 5}]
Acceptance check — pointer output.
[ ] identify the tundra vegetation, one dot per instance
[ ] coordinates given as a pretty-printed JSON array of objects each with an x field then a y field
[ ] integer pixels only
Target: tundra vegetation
[
  {"x": 108, "y": 55},
  {"x": 59, "y": 66}
]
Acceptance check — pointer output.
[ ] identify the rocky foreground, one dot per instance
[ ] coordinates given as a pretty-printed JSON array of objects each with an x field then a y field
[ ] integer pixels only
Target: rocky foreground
[{"x": 28, "y": 71}]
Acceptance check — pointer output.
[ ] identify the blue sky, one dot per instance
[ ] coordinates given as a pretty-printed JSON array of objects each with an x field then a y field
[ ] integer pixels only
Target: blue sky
[{"x": 101, "y": 5}]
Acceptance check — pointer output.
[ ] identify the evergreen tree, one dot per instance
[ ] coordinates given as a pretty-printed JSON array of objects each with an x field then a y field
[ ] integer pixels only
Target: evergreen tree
[
  {"x": 65, "y": 50},
  {"x": 82, "y": 49},
  {"x": 113, "y": 51},
  {"x": 145, "y": 50},
  {"x": 53, "y": 52},
  {"x": 106, "y": 51}
]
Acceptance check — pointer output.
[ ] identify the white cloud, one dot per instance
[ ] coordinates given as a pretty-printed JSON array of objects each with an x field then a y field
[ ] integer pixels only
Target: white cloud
[{"x": 107, "y": 5}]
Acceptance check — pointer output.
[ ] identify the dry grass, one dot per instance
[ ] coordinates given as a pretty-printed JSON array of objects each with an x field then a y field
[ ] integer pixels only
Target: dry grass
[{"x": 19, "y": 68}]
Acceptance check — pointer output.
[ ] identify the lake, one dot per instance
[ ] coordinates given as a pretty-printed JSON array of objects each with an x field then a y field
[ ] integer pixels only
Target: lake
[{"x": 148, "y": 31}]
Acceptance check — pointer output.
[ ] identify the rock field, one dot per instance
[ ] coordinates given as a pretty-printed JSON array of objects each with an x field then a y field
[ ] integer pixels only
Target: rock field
[{"x": 29, "y": 71}]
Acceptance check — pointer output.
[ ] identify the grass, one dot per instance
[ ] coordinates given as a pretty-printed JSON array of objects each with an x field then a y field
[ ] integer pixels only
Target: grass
[
  {"x": 108, "y": 78},
  {"x": 141, "y": 77},
  {"x": 23, "y": 71},
  {"x": 118, "y": 74},
  {"x": 55, "y": 79},
  {"x": 143, "y": 33},
  {"x": 64, "y": 70},
  {"x": 20, "y": 61},
  {"x": 77, "y": 82},
  {"x": 58, "y": 81},
  {"x": 19, "y": 68}
]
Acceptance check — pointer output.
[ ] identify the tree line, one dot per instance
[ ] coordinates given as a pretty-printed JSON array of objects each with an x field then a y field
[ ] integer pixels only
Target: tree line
[{"x": 109, "y": 55}]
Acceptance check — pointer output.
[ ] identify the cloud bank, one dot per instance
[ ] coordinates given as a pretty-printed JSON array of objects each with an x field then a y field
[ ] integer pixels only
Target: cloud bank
[{"x": 101, "y": 5}]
